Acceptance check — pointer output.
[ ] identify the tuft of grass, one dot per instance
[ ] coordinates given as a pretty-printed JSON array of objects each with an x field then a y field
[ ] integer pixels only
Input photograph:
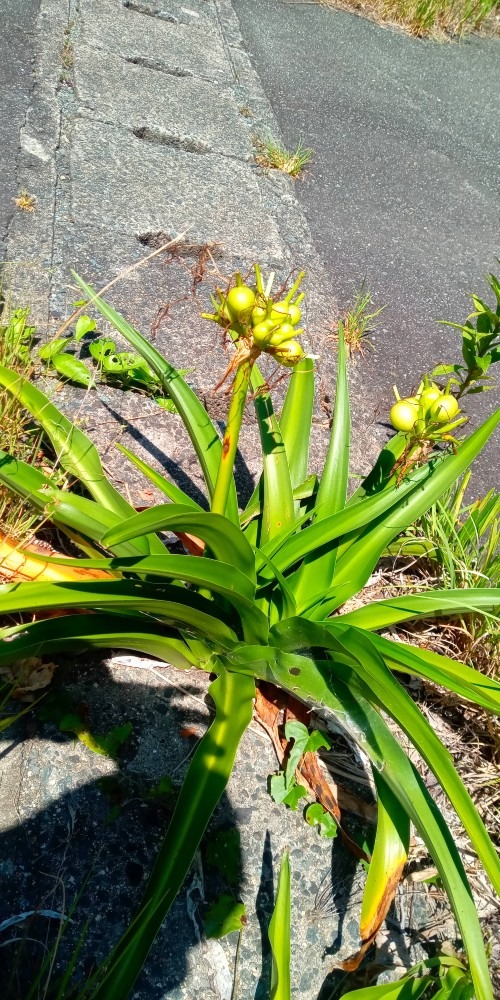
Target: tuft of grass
[
  {"x": 358, "y": 322},
  {"x": 273, "y": 155},
  {"x": 428, "y": 18},
  {"x": 462, "y": 539},
  {"x": 18, "y": 433},
  {"x": 458, "y": 545}
]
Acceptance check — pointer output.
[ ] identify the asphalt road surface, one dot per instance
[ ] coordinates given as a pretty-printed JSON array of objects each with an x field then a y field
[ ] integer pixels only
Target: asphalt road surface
[
  {"x": 17, "y": 22},
  {"x": 403, "y": 187}
]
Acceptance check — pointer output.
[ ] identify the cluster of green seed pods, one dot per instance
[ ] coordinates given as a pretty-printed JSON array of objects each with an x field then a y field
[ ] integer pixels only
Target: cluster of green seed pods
[
  {"x": 430, "y": 413},
  {"x": 250, "y": 312}
]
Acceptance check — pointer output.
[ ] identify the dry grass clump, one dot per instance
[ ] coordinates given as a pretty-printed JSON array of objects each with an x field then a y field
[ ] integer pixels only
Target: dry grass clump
[{"x": 439, "y": 19}]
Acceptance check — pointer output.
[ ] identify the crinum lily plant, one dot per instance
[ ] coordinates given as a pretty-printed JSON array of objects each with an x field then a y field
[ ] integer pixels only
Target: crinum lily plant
[{"x": 263, "y": 600}]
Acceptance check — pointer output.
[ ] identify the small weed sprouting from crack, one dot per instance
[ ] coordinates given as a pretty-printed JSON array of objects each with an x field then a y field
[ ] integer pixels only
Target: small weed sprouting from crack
[
  {"x": 273, "y": 155},
  {"x": 358, "y": 322},
  {"x": 67, "y": 57}
]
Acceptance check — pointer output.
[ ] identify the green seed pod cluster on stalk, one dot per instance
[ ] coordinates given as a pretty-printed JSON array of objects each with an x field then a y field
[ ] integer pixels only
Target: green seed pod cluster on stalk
[
  {"x": 428, "y": 415},
  {"x": 251, "y": 315}
]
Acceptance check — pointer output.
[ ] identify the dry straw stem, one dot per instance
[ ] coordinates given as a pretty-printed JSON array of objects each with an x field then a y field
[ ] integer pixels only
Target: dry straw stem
[{"x": 439, "y": 19}]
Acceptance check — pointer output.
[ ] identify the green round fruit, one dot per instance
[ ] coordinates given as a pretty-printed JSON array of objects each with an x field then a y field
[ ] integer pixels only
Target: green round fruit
[
  {"x": 262, "y": 332},
  {"x": 444, "y": 409},
  {"x": 403, "y": 415},
  {"x": 240, "y": 300},
  {"x": 294, "y": 313},
  {"x": 429, "y": 396},
  {"x": 289, "y": 353},
  {"x": 280, "y": 312},
  {"x": 259, "y": 314},
  {"x": 284, "y": 332}
]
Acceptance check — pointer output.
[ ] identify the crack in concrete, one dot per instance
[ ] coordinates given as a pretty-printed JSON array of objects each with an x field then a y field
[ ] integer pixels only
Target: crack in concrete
[
  {"x": 141, "y": 8},
  {"x": 159, "y": 67},
  {"x": 158, "y": 137}
]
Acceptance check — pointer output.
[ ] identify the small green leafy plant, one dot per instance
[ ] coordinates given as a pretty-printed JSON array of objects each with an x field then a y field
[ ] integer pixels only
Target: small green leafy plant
[
  {"x": 284, "y": 786},
  {"x": 122, "y": 369},
  {"x": 266, "y": 603},
  {"x": 480, "y": 346}
]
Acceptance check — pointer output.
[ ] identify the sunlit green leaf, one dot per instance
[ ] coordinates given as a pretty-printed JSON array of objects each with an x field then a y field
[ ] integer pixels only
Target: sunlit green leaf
[{"x": 224, "y": 917}]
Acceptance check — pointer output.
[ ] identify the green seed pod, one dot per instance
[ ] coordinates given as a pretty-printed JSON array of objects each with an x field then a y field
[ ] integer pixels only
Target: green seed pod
[
  {"x": 262, "y": 332},
  {"x": 284, "y": 332},
  {"x": 429, "y": 396},
  {"x": 289, "y": 353},
  {"x": 280, "y": 312},
  {"x": 294, "y": 313},
  {"x": 259, "y": 314},
  {"x": 444, "y": 409},
  {"x": 240, "y": 301},
  {"x": 403, "y": 415}
]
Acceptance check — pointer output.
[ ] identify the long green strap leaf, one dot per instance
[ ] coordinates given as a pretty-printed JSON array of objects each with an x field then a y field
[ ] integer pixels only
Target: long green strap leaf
[
  {"x": 378, "y": 683},
  {"x": 224, "y": 539},
  {"x": 382, "y": 473},
  {"x": 317, "y": 571},
  {"x": 278, "y": 508},
  {"x": 205, "y": 781},
  {"x": 170, "y": 490},
  {"x": 200, "y": 428},
  {"x": 81, "y": 519},
  {"x": 351, "y": 519},
  {"x": 74, "y": 450},
  {"x": 377, "y": 680},
  {"x": 450, "y": 674},
  {"x": 172, "y": 605},
  {"x": 279, "y": 935},
  {"x": 306, "y": 679},
  {"x": 77, "y": 633},
  {"x": 388, "y": 859},
  {"x": 433, "y": 604},
  {"x": 219, "y": 578},
  {"x": 295, "y": 419}
]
